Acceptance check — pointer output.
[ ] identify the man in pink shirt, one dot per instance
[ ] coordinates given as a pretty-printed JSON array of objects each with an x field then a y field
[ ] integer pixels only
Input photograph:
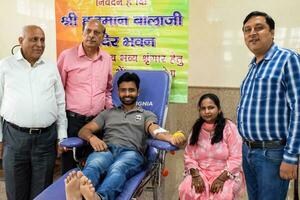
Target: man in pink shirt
[{"x": 86, "y": 73}]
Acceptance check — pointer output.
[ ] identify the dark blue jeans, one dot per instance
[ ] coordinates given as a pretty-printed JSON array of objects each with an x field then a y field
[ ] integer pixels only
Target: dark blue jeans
[
  {"x": 116, "y": 166},
  {"x": 261, "y": 168}
]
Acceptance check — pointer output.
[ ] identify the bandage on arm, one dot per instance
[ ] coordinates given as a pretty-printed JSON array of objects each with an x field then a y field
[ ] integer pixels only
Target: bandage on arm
[
  {"x": 157, "y": 131},
  {"x": 161, "y": 134}
]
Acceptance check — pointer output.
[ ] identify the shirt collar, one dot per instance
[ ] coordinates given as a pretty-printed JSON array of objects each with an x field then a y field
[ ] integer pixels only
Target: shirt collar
[
  {"x": 19, "y": 56},
  {"x": 81, "y": 52},
  {"x": 270, "y": 53},
  {"x": 137, "y": 108}
]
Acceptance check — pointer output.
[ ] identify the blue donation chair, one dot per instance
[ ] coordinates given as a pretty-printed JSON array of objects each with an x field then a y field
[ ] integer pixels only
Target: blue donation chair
[{"x": 154, "y": 94}]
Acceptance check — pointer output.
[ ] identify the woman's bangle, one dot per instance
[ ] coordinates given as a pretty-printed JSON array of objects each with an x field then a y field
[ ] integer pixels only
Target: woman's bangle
[
  {"x": 195, "y": 176},
  {"x": 221, "y": 180}
]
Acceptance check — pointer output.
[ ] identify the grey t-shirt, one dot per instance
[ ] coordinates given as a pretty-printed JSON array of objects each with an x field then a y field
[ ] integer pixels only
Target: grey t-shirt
[{"x": 125, "y": 129}]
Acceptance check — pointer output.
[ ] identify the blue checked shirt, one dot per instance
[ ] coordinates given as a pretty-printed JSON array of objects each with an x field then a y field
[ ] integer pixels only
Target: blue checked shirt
[{"x": 269, "y": 108}]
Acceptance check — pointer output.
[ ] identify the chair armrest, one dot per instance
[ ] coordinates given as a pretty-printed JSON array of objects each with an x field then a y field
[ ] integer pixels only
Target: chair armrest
[
  {"x": 72, "y": 142},
  {"x": 161, "y": 145}
]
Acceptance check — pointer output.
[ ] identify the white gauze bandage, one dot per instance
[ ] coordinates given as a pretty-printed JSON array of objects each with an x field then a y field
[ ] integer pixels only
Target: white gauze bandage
[{"x": 159, "y": 130}]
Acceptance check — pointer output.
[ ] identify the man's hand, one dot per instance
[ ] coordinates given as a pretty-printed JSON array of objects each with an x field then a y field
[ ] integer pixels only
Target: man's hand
[
  {"x": 178, "y": 139},
  {"x": 97, "y": 144},
  {"x": 60, "y": 149},
  {"x": 198, "y": 183},
  {"x": 288, "y": 171},
  {"x": 1, "y": 150}
]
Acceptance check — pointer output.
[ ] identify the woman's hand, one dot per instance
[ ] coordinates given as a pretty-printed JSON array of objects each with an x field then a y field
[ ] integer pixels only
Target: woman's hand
[
  {"x": 198, "y": 184},
  {"x": 217, "y": 186},
  {"x": 218, "y": 183}
]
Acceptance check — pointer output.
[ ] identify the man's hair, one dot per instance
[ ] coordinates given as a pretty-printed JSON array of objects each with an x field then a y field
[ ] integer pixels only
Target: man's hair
[
  {"x": 26, "y": 28},
  {"x": 268, "y": 18},
  {"x": 95, "y": 21},
  {"x": 128, "y": 77}
]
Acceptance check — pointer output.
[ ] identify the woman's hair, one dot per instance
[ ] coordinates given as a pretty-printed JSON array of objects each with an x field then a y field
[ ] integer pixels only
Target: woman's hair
[{"x": 220, "y": 122}]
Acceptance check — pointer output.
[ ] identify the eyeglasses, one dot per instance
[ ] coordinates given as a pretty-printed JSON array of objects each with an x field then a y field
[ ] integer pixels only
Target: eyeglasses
[{"x": 257, "y": 28}]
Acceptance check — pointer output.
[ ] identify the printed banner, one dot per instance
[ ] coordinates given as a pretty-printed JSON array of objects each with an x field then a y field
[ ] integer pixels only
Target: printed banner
[{"x": 140, "y": 34}]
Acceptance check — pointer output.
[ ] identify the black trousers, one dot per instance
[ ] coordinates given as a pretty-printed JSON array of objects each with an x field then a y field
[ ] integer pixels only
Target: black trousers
[
  {"x": 74, "y": 125},
  {"x": 28, "y": 161}
]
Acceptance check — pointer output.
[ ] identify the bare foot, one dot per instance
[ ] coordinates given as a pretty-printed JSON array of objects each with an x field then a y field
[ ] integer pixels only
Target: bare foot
[
  {"x": 72, "y": 186},
  {"x": 87, "y": 189},
  {"x": 79, "y": 174}
]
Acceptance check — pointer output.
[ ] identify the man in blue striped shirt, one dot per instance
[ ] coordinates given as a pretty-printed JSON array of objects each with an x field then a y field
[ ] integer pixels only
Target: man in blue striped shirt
[{"x": 269, "y": 111}]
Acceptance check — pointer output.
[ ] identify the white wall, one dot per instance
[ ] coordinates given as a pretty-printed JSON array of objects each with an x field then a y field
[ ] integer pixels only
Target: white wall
[
  {"x": 14, "y": 14},
  {"x": 218, "y": 56}
]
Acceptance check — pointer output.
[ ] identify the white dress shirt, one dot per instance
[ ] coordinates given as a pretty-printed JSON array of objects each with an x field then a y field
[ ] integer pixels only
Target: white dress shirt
[{"x": 31, "y": 96}]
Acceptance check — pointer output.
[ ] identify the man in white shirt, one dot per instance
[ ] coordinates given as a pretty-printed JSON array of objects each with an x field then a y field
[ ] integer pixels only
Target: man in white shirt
[{"x": 32, "y": 109}]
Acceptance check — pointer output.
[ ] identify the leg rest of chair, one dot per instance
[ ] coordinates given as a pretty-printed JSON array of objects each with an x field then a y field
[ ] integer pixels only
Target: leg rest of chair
[
  {"x": 56, "y": 190},
  {"x": 131, "y": 185}
]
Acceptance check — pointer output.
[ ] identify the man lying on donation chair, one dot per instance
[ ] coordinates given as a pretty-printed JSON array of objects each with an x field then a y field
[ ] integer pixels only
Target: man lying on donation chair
[{"x": 119, "y": 155}]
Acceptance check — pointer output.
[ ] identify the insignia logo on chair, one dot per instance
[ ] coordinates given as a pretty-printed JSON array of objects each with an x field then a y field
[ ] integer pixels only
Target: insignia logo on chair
[
  {"x": 145, "y": 103},
  {"x": 138, "y": 117}
]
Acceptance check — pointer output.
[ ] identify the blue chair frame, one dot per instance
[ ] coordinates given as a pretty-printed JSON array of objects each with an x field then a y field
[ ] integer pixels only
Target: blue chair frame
[{"x": 154, "y": 96}]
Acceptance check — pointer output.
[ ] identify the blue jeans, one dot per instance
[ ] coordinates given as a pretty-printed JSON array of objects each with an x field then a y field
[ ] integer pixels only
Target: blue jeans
[
  {"x": 261, "y": 168},
  {"x": 116, "y": 166}
]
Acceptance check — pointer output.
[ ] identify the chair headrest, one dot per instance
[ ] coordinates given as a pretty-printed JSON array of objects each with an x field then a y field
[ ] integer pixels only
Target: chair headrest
[{"x": 154, "y": 91}]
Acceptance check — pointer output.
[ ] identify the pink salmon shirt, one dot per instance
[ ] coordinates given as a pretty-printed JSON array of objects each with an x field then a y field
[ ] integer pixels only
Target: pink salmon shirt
[{"x": 87, "y": 82}]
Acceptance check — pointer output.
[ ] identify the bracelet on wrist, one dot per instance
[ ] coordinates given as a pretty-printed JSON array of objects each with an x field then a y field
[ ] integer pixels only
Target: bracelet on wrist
[
  {"x": 221, "y": 180},
  {"x": 195, "y": 176}
]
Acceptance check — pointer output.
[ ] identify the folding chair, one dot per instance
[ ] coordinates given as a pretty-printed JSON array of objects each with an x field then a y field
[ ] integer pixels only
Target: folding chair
[{"x": 154, "y": 93}]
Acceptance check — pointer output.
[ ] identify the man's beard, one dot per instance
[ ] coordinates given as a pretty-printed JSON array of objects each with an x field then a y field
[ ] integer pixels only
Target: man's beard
[{"x": 132, "y": 101}]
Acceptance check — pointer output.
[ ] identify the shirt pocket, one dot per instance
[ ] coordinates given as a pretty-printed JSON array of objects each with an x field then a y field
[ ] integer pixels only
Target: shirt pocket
[
  {"x": 78, "y": 75},
  {"x": 46, "y": 85},
  {"x": 265, "y": 87},
  {"x": 137, "y": 119}
]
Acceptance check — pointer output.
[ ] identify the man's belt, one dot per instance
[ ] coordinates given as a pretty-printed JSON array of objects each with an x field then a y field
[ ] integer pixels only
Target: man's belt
[
  {"x": 79, "y": 116},
  {"x": 271, "y": 144},
  {"x": 30, "y": 130}
]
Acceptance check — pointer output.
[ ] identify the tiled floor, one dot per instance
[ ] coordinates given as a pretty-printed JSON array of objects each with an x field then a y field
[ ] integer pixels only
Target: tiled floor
[{"x": 168, "y": 190}]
